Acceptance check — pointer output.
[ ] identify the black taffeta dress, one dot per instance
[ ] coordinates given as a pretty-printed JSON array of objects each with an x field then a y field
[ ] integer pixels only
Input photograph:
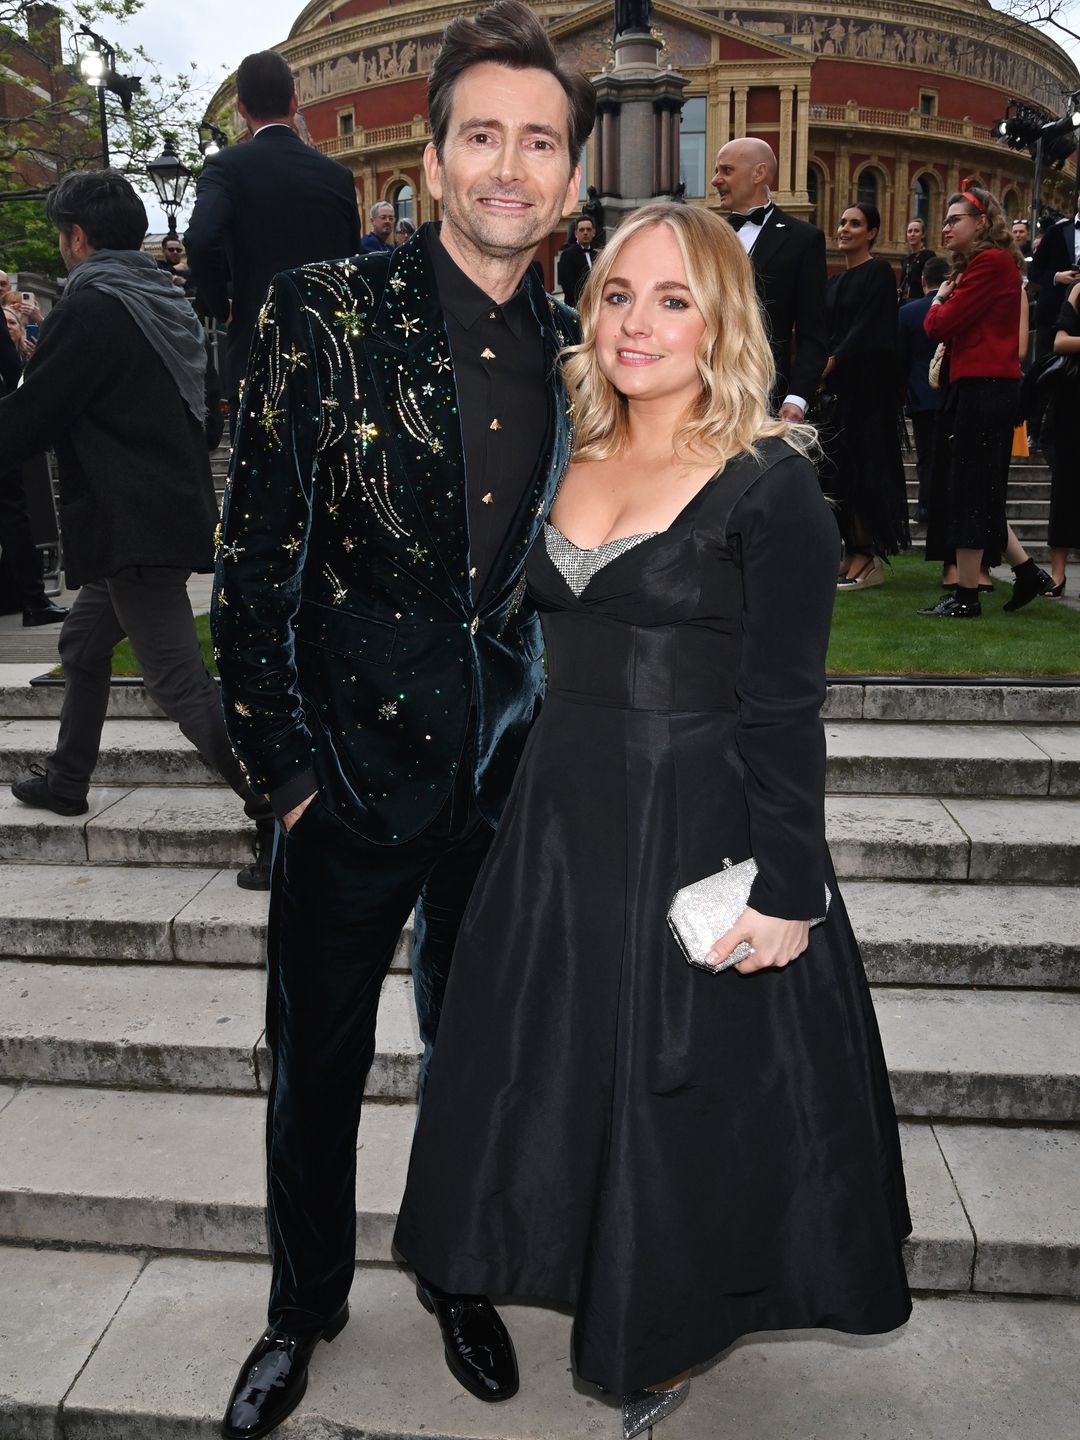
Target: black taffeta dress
[{"x": 682, "y": 1157}]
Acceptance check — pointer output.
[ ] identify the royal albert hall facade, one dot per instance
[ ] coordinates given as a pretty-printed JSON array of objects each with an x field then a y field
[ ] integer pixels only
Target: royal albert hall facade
[{"x": 889, "y": 102}]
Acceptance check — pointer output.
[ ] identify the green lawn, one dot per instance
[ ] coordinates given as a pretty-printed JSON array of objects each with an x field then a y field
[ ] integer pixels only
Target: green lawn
[{"x": 876, "y": 632}]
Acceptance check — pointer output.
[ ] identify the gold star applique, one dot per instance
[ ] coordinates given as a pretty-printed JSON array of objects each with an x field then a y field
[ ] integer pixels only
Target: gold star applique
[
  {"x": 348, "y": 544},
  {"x": 387, "y": 710},
  {"x": 351, "y": 321},
  {"x": 408, "y": 324},
  {"x": 217, "y": 537},
  {"x": 222, "y": 600},
  {"x": 435, "y": 445},
  {"x": 348, "y": 268},
  {"x": 330, "y": 403},
  {"x": 396, "y": 283},
  {"x": 292, "y": 545},
  {"x": 365, "y": 431},
  {"x": 494, "y": 425},
  {"x": 269, "y": 420},
  {"x": 487, "y": 353},
  {"x": 266, "y": 316},
  {"x": 417, "y": 552},
  {"x": 242, "y": 710},
  {"x": 230, "y": 552},
  {"x": 295, "y": 359}
]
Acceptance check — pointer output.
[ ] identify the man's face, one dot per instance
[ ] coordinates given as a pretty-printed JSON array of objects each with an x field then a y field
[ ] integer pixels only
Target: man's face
[
  {"x": 584, "y": 233},
  {"x": 1020, "y": 231},
  {"x": 382, "y": 222},
  {"x": 504, "y": 177},
  {"x": 739, "y": 179},
  {"x": 172, "y": 251},
  {"x": 916, "y": 234}
]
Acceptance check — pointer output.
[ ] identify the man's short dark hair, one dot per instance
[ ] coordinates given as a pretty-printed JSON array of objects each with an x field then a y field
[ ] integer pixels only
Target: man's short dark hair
[
  {"x": 936, "y": 271},
  {"x": 265, "y": 85},
  {"x": 506, "y": 33},
  {"x": 104, "y": 203}
]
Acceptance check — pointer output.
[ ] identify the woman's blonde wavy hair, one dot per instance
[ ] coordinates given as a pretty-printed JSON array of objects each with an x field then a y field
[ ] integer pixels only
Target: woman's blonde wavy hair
[{"x": 733, "y": 359}]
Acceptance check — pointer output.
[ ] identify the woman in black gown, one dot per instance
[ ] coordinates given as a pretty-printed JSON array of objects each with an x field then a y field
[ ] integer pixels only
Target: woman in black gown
[
  {"x": 683, "y": 1157},
  {"x": 864, "y": 470}
]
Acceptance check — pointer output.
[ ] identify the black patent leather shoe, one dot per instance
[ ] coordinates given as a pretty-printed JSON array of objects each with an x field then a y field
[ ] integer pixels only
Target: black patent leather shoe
[
  {"x": 952, "y": 608},
  {"x": 45, "y": 613},
  {"x": 273, "y": 1379},
  {"x": 476, "y": 1343}
]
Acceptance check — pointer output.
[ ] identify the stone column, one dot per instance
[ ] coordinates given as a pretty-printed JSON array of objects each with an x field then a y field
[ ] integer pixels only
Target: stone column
[
  {"x": 741, "y": 92},
  {"x": 802, "y": 141},
  {"x": 664, "y": 181},
  {"x": 783, "y": 181}
]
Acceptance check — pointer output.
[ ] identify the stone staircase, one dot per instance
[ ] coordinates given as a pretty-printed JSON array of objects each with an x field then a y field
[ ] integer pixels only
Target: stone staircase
[
  {"x": 1028, "y": 504},
  {"x": 133, "y": 1077}
]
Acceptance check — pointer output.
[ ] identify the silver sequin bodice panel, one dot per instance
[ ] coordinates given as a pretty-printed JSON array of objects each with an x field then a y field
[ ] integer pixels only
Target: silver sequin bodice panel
[{"x": 577, "y": 567}]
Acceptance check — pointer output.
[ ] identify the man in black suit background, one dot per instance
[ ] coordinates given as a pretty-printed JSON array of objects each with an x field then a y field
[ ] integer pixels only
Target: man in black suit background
[
  {"x": 788, "y": 256},
  {"x": 576, "y": 260},
  {"x": 263, "y": 207},
  {"x": 1055, "y": 271}
]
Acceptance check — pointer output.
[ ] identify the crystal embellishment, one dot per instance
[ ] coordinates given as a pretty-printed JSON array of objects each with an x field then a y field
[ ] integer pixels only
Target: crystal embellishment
[{"x": 577, "y": 567}]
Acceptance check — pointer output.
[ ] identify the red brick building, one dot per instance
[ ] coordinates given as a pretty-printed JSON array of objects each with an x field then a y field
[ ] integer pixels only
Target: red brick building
[
  {"x": 34, "y": 82},
  {"x": 888, "y": 102}
]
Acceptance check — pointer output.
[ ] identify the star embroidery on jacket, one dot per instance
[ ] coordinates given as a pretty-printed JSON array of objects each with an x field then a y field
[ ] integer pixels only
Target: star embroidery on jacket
[
  {"x": 269, "y": 419},
  {"x": 387, "y": 710},
  {"x": 295, "y": 359},
  {"x": 337, "y": 591},
  {"x": 435, "y": 445},
  {"x": 292, "y": 545},
  {"x": 351, "y": 321},
  {"x": 429, "y": 389},
  {"x": 418, "y": 552},
  {"x": 396, "y": 283},
  {"x": 230, "y": 552},
  {"x": 408, "y": 324},
  {"x": 242, "y": 710},
  {"x": 365, "y": 431},
  {"x": 441, "y": 363}
]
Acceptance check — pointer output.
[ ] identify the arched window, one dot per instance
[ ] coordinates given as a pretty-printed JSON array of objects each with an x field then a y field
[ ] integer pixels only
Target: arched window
[
  {"x": 814, "y": 190},
  {"x": 867, "y": 193},
  {"x": 692, "y": 157},
  {"x": 402, "y": 201},
  {"x": 920, "y": 201},
  {"x": 1010, "y": 203}
]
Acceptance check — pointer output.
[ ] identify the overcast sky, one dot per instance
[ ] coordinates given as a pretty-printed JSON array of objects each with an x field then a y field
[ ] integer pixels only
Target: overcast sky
[{"x": 217, "y": 34}]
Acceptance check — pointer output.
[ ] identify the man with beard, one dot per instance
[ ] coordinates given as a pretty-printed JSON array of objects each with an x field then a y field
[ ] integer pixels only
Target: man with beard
[{"x": 402, "y": 434}]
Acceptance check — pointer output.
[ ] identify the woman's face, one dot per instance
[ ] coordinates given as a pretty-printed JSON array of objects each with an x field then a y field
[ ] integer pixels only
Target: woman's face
[
  {"x": 11, "y": 320},
  {"x": 649, "y": 326},
  {"x": 854, "y": 234},
  {"x": 960, "y": 229}
]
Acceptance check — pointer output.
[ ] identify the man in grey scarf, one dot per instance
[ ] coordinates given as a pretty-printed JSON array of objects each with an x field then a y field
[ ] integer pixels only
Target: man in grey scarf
[{"x": 118, "y": 386}]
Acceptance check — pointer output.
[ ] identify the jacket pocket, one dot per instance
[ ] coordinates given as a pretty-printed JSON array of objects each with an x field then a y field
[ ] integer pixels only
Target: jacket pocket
[{"x": 344, "y": 633}]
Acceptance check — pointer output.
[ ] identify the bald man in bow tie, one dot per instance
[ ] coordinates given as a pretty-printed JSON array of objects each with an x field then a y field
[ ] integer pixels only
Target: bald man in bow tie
[{"x": 788, "y": 256}]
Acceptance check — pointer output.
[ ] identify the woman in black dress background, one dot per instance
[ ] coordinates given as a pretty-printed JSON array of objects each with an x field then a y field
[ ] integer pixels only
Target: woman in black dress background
[
  {"x": 683, "y": 1157},
  {"x": 1064, "y": 433},
  {"x": 864, "y": 470}
]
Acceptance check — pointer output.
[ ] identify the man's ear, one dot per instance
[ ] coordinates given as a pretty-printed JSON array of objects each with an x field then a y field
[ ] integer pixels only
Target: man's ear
[
  {"x": 294, "y": 104},
  {"x": 433, "y": 170},
  {"x": 573, "y": 187}
]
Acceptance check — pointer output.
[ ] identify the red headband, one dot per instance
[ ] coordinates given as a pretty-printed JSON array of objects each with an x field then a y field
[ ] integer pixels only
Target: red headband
[{"x": 970, "y": 198}]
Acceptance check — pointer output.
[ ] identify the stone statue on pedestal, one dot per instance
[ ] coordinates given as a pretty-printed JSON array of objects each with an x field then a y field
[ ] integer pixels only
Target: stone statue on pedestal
[{"x": 632, "y": 15}]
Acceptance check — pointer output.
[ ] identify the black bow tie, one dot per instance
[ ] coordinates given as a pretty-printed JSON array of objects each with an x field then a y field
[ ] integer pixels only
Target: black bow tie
[{"x": 752, "y": 217}]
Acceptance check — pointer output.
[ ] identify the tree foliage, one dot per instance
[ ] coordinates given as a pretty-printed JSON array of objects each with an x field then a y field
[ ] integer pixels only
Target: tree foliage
[
  {"x": 27, "y": 240},
  {"x": 62, "y": 132}
]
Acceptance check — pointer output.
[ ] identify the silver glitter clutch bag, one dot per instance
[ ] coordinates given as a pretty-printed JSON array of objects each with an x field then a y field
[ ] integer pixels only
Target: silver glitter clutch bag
[{"x": 702, "y": 912}]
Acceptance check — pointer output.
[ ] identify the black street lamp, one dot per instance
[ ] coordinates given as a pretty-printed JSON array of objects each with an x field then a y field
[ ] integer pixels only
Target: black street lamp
[
  {"x": 98, "y": 68},
  {"x": 171, "y": 178},
  {"x": 211, "y": 139}
]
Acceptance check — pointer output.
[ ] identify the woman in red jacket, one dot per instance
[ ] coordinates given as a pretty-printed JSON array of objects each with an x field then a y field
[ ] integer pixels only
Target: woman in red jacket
[{"x": 976, "y": 312}]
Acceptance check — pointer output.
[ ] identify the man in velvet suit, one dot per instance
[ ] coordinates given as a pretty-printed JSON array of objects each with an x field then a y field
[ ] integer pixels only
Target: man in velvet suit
[
  {"x": 788, "y": 257},
  {"x": 402, "y": 433},
  {"x": 263, "y": 207}
]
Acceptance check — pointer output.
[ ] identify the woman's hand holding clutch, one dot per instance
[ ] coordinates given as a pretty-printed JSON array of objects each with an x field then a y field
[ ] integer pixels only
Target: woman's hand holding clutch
[{"x": 775, "y": 942}]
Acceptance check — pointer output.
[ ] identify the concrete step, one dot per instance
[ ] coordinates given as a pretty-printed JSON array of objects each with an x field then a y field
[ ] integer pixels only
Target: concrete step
[
  {"x": 911, "y": 934},
  {"x": 876, "y": 757},
  {"x": 987, "y": 1055},
  {"x": 1005, "y": 936},
  {"x": 150, "y": 1352},
  {"x": 991, "y": 1055},
  {"x": 872, "y": 837},
  {"x": 992, "y": 1206},
  {"x": 181, "y": 1027}
]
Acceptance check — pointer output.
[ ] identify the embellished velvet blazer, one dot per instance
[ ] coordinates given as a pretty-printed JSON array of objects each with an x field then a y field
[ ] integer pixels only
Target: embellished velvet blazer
[{"x": 350, "y": 645}]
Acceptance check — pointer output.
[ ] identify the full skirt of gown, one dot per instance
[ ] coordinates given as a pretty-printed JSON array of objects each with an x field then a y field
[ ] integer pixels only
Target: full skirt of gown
[{"x": 682, "y": 1157}]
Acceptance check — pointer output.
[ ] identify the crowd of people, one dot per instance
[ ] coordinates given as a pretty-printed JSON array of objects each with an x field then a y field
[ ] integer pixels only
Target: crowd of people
[{"x": 415, "y": 485}]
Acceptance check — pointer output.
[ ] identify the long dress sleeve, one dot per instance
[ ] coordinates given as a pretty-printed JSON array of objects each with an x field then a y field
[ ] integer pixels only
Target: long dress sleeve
[{"x": 789, "y": 548}]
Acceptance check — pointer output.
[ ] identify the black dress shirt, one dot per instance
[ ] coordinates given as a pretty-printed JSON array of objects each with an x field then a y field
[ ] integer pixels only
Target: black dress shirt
[{"x": 499, "y": 367}]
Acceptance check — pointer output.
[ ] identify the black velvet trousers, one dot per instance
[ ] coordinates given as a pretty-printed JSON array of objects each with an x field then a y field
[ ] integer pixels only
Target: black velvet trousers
[{"x": 338, "y": 905}]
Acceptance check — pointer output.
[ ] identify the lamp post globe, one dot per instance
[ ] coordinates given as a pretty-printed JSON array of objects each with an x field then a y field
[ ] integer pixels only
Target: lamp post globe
[
  {"x": 171, "y": 178},
  {"x": 93, "y": 66}
]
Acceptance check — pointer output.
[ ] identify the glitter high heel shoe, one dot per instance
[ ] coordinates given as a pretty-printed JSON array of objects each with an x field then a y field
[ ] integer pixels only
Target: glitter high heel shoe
[{"x": 644, "y": 1408}]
